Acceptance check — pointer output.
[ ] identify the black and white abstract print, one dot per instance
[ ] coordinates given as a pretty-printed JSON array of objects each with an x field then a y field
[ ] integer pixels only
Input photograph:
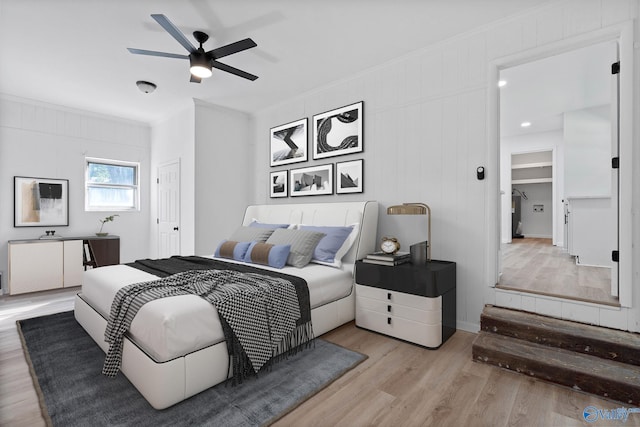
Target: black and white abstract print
[
  {"x": 338, "y": 132},
  {"x": 289, "y": 143}
]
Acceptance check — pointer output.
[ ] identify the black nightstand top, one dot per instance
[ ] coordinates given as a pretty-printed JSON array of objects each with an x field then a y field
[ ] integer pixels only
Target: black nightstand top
[{"x": 432, "y": 279}]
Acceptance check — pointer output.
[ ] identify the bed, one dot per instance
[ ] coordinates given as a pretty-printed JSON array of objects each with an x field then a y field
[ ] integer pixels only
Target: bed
[{"x": 175, "y": 348}]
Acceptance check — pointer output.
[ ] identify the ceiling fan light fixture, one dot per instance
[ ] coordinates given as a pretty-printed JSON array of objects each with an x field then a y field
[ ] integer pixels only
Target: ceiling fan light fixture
[
  {"x": 200, "y": 65},
  {"x": 201, "y": 62}
]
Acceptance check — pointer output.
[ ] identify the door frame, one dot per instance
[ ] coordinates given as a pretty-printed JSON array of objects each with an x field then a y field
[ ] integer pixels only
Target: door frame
[{"x": 623, "y": 34}]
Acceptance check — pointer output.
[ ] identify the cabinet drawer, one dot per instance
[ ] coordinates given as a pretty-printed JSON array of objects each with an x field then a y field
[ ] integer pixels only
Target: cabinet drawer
[
  {"x": 421, "y": 303},
  {"x": 408, "y": 330},
  {"x": 387, "y": 308}
]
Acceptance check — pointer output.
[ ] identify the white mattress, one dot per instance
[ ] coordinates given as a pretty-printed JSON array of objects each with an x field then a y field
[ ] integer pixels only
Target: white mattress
[{"x": 171, "y": 327}]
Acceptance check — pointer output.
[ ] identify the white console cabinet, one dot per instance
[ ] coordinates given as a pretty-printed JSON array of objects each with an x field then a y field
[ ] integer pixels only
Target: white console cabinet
[{"x": 37, "y": 265}]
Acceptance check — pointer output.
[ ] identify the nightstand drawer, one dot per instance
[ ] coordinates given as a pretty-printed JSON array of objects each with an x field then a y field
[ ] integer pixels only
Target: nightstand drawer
[
  {"x": 427, "y": 317},
  {"x": 408, "y": 330},
  {"x": 408, "y": 300}
]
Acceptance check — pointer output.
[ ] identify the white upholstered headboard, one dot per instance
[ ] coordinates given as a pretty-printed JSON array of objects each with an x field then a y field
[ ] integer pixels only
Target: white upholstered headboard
[{"x": 336, "y": 214}]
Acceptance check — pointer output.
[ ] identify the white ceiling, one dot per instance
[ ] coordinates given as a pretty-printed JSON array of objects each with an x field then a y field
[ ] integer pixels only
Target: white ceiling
[
  {"x": 540, "y": 92},
  {"x": 73, "y": 53}
]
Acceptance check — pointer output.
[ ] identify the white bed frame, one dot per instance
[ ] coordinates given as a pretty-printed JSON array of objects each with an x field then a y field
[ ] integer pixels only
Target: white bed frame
[{"x": 165, "y": 384}]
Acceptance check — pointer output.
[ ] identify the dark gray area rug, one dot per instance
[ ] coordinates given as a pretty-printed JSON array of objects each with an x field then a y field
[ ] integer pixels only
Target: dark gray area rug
[{"x": 66, "y": 365}]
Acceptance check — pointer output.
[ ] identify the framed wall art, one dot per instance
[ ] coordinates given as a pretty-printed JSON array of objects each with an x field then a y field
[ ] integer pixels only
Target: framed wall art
[
  {"x": 40, "y": 202},
  {"x": 311, "y": 181},
  {"x": 338, "y": 132},
  {"x": 349, "y": 177},
  {"x": 289, "y": 143},
  {"x": 278, "y": 184}
]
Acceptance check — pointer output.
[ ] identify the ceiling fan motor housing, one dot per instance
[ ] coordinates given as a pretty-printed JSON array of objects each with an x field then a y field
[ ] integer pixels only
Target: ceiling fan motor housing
[{"x": 200, "y": 37}]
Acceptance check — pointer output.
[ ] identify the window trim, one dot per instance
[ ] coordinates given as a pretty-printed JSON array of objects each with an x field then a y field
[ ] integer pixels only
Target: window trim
[{"x": 109, "y": 162}]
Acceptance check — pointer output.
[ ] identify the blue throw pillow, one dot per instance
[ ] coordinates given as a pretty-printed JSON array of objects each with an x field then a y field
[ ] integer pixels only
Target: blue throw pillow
[
  {"x": 331, "y": 243},
  {"x": 267, "y": 254},
  {"x": 232, "y": 250}
]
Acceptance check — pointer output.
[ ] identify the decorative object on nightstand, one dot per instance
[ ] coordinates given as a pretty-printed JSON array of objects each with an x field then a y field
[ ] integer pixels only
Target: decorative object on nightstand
[
  {"x": 412, "y": 302},
  {"x": 390, "y": 245},
  {"x": 420, "y": 252}
]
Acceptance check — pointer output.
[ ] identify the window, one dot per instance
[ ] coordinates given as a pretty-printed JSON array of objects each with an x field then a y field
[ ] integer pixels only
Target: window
[{"x": 111, "y": 185}]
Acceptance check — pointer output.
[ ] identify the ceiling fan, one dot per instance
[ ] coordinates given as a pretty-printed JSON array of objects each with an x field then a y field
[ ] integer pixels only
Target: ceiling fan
[{"x": 201, "y": 61}]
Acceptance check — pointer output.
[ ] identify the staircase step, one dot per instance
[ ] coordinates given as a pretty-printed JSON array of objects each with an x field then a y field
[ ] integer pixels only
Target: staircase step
[
  {"x": 597, "y": 341},
  {"x": 603, "y": 377}
]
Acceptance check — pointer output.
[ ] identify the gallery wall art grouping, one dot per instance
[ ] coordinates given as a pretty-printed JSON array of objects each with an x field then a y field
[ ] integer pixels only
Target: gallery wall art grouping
[{"x": 334, "y": 133}]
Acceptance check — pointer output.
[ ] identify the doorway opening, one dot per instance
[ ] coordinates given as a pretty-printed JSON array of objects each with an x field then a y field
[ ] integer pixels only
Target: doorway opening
[{"x": 559, "y": 215}]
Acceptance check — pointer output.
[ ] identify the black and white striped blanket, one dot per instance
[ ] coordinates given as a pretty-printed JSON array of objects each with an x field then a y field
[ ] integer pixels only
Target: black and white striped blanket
[{"x": 260, "y": 314}]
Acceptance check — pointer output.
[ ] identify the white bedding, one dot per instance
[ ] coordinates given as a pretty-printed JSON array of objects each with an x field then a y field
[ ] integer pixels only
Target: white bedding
[{"x": 172, "y": 327}]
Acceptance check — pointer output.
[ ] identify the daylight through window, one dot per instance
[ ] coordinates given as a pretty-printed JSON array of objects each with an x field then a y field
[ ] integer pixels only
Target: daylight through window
[{"x": 111, "y": 185}]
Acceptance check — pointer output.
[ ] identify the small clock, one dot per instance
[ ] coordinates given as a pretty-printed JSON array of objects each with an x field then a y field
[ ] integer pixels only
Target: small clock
[{"x": 390, "y": 245}]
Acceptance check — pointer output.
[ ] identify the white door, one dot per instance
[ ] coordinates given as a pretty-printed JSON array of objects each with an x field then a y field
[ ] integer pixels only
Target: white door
[{"x": 169, "y": 209}]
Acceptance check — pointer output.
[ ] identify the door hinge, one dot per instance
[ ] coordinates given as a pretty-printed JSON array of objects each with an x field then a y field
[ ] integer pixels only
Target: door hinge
[
  {"x": 615, "y": 162},
  {"x": 615, "y": 68},
  {"x": 615, "y": 256},
  {"x": 157, "y": 180},
  {"x": 157, "y": 220}
]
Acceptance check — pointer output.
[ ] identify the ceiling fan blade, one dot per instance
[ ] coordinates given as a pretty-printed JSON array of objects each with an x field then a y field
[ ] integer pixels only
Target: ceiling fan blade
[
  {"x": 232, "y": 70},
  {"x": 174, "y": 31},
  {"x": 232, "y": 48},
  {"x": 195, "y": 79},
  {"x": 154, "y": 53}
]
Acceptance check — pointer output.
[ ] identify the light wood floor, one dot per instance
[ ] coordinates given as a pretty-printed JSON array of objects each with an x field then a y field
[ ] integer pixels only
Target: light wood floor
[
  {"x": 400, "y": 384},
  {"x": 535, "y": 265}
]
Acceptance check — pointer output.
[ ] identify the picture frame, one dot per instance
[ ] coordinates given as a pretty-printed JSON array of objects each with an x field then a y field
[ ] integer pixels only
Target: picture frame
[
  {"x": 311, "y": 181},
  {"x": 288, "y": 143},
  {"x": 350, "y": 177},
  {"x": 278, "y": 184},
  {"x": 338, "y": 132},
  {"x": 40, "y": 202}
]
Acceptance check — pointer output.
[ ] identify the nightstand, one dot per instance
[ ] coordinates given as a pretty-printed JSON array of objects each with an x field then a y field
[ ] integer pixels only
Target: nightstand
[{"x": 415, "y": 303}]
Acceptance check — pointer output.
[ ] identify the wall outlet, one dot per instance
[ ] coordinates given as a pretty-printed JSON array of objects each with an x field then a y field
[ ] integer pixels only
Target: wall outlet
[{"x": 538, "y": 208}]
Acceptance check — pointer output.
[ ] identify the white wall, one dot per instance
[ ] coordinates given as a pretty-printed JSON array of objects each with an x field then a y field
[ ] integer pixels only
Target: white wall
[
  {"x": 49, "y": 141},
  {"x": 224, "y": 176},
  {"x": 587, "y": 139},
  {"x": 537, "y": 224},
  {"x": 173, "y": 139},
  {"x": 215, "y": 149},
  {"x": 426, "y": 119}
]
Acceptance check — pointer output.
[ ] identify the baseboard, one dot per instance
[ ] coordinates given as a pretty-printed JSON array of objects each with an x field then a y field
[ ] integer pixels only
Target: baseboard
[{"x": 474, "y": 328}]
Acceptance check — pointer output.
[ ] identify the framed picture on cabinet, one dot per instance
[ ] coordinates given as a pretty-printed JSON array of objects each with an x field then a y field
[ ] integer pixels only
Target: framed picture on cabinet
[
  {"x": 278, "y": 184},
  {"x": 40, "y": 202},
  {"x": 338, "y": 132},
  {"x": 289, "y": 143},
  {"x": 349, "y": 177},
  {"x": 311, "y": 181}
]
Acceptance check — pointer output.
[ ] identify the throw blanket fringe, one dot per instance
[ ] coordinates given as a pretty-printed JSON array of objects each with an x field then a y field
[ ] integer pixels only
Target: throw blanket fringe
[
  {"x": 297, "y": 340},
  {"x": 260, "y": 315},
  {"x": 240, "y": 365}
]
